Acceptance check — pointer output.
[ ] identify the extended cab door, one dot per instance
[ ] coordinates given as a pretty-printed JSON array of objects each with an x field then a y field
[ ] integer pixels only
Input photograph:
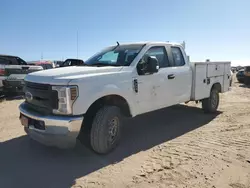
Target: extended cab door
[{"x": 179, "y": 75}]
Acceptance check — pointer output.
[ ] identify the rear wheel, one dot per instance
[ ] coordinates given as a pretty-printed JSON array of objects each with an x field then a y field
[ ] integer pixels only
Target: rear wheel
[
  {"x": 210, "y": 105},
  {"x": 106, "y": 129}
]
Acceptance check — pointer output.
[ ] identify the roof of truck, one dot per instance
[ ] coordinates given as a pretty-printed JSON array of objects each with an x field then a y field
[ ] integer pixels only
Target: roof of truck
[
  {"x": 149, "y": 42},
  {"x": 3, "y": 55}
]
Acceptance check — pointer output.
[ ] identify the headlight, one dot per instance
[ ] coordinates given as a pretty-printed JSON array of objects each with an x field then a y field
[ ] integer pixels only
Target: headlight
[{"x": 67, "y": 95}]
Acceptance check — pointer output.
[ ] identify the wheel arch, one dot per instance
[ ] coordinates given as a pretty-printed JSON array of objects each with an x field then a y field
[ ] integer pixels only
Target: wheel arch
[
  {"x": 113, "y": 100},
  {"x": 217, "y": 86}
]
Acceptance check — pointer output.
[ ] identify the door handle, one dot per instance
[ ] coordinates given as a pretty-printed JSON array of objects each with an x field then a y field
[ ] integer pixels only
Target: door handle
[{"x": 171, "y": 76}]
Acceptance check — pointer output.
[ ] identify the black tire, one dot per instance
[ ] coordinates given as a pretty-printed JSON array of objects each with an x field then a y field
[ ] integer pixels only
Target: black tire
[
  {"x": 106, "y": 129},
  {"x": 241, "y": 81},
  {"x": 247, "y": 81},
  {"x": 210, "y": 105}
]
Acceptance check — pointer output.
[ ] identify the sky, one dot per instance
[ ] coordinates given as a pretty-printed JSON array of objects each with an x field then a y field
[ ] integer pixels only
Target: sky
[{"x": 218, "y": 30}]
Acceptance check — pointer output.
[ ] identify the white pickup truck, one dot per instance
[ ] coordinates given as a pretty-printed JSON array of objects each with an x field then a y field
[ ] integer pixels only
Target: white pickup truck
[
  {"x": 13, "y": 69},
  {"x": 123, "y": 80}
]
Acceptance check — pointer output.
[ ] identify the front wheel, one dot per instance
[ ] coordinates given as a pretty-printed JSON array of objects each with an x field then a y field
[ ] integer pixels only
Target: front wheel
[
  {"x": 210, "y": 105},
  {"x": 106, "y": 129}
]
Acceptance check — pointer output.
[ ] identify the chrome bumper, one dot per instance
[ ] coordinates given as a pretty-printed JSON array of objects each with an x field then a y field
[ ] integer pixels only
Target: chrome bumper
[{"x": 60, "y": 131}]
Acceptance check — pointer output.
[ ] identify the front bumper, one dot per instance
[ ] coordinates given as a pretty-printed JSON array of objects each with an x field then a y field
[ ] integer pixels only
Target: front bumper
[{"x": 60, "y": 131}]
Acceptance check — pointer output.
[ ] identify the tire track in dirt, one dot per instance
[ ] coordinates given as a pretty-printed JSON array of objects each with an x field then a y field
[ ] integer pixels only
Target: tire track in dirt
[{"x": 201, "y": 155}]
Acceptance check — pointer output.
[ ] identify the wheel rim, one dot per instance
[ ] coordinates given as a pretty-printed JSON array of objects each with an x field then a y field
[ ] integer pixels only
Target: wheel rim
[
  {"x": 113, "y": 129},
  {"x": 214, "y": 100}
]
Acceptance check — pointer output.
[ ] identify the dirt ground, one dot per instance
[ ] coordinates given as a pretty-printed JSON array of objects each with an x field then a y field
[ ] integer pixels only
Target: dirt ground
[{"x": 174, "y": 147}]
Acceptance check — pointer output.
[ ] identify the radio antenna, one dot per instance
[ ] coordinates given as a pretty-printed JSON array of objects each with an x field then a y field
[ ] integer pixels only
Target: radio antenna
[
  {"x": 116, "y": 45},
  {"x": 77, "y": 45}
]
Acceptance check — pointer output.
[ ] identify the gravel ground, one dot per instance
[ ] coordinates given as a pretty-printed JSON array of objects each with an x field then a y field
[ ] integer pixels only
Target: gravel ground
[{"x": 174, "y": 147}]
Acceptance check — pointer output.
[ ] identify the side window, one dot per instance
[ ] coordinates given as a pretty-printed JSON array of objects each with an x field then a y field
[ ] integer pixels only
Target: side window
[
  {"x": 177, "y": 56},
  {"x": 130, "y": 56},
  {"x": 160, "y": 54},
  {"x": 20, "y": 61},
  {"x": 49, "y": 66},
  {"x": 67, "y": 63},
  {"x": 13, "y": 61},
  {"x": 75, "y": 63},
  {"x": 43, "y": 66},
  {"x": 4, "y": 61}
]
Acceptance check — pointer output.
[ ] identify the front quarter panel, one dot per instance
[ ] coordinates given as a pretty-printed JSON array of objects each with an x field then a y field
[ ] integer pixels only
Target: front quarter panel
[{"x": 90, "y": 90}]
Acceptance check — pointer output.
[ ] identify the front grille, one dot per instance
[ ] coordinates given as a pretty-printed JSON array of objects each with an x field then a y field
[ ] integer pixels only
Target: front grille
[
  {"x": 43, "y": 99},
  {"x": 37, "y": 86},
  {"x": 38, "y": 109}
]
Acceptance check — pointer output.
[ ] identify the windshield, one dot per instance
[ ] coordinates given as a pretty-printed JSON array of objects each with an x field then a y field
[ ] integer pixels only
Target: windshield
[{"x": 121, "y": 55}]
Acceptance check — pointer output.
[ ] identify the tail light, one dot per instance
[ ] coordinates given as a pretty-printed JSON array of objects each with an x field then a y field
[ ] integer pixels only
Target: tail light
[{"x": 2, "y": 72}]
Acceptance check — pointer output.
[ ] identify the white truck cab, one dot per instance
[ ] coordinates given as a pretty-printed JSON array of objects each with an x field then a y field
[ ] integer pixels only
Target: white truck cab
[{"x": 122, "y": 80}]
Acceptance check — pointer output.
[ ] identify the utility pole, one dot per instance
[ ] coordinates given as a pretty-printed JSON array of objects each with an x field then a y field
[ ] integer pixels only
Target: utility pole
[
  {"x": 183, "y": 44},
  {"x": 41, "y": 56}
]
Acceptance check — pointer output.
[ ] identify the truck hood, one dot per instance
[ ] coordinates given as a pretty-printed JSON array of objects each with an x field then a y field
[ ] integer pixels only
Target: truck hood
[{"x": 66, "y": 74}]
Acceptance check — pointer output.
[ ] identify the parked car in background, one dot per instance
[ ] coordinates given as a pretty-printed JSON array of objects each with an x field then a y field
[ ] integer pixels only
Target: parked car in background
[
  {"x": 13, "y": 69},
  {"x": 240, "y": 76},
  {"x": 247, "y": 75},
  {"x": 58, "y": 63},
  {"x": 44, "y": 64},
  {"x": 72, "y": 62}
]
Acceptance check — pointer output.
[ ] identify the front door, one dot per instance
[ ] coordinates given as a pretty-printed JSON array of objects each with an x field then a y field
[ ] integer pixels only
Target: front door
[
  {"x": 147, "y": 92},
  {"x": 153, "y": 92}
]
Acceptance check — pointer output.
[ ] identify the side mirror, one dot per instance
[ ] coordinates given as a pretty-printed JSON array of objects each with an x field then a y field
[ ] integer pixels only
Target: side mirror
[
  {"x": 148, "y": 65},
  {"x": 153, "y": 65}
]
